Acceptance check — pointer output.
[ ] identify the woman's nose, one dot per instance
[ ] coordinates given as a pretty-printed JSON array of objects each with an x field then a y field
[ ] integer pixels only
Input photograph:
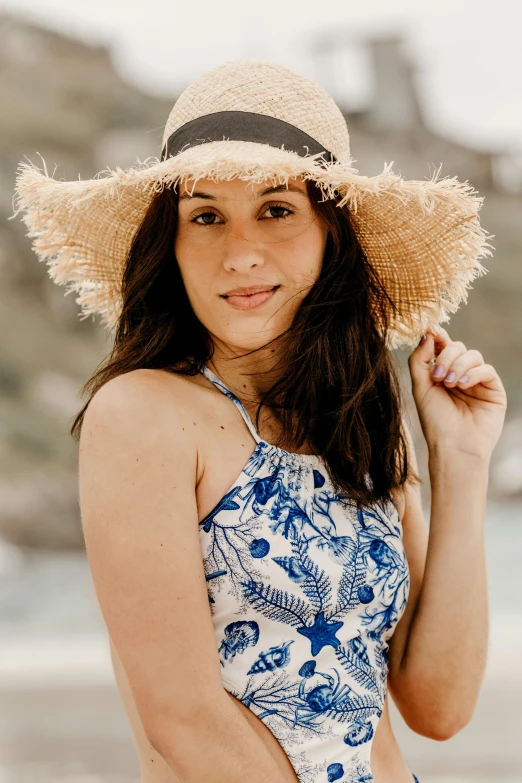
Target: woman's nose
[{"x": 241, "y": 254}]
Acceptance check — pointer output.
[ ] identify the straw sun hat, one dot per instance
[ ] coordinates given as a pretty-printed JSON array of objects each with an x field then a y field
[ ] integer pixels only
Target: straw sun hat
[{"x": 261, "y": 121}]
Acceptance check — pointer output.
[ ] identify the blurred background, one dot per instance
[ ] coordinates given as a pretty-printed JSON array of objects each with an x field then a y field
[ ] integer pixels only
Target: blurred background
[{"x": 90, "y": 85}]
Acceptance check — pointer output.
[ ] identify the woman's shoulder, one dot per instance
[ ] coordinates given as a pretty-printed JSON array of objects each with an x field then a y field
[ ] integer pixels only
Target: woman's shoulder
[
  {"x": 145, "y": 386},
  {"x": 144, "y": 400}
]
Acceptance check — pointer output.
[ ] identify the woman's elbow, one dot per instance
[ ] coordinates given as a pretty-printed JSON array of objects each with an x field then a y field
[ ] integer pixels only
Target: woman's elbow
[
  {"x": 429, "y": 711},
  {"x": 440, "y": 727},
  {"x": 168, "y": 730}
]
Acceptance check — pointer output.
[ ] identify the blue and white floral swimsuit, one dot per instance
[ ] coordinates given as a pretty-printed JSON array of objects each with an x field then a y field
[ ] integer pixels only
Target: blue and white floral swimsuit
[{"x": 304, "y": 592}]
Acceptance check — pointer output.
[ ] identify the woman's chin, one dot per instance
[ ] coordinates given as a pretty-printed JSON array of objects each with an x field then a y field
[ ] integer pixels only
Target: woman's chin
[{"x": 241, "y": 339}]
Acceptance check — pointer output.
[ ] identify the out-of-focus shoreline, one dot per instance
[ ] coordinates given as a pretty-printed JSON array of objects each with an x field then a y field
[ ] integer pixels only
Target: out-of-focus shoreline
[
  {"x": 79, "y": 734},
  {"x": 61, "y": 717}
]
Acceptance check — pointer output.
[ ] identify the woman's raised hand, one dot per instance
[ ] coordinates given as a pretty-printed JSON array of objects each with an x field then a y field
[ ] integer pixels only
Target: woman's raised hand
[{"x": 461, "y": 401}]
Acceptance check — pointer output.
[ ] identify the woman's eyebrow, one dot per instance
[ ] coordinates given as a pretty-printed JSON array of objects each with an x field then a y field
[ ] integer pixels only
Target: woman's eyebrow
[
  {"x": 259, "y": 194},
  {"x": 279, "y": 189},
  {"x": 197, "y": 194}
]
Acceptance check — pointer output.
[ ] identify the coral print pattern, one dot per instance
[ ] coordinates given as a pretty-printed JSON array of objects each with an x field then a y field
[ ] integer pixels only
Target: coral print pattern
[{"x": 304, "y": 591}]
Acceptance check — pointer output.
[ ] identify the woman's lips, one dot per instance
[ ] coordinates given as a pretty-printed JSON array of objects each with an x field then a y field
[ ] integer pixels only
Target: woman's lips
[{"x": 249, "y": 301}]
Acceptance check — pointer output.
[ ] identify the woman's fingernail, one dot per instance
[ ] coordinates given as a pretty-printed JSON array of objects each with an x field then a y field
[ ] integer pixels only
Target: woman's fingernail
[
  {"x": 423, "y": 339},
  {"x": 464, "y": 379},
  {"x": 451, "y": 376},
  {"x": 438, "y": 371}
]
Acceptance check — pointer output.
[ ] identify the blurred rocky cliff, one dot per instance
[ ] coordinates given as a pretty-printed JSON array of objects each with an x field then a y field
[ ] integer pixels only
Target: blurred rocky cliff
[{"x": 63, "y": 99}]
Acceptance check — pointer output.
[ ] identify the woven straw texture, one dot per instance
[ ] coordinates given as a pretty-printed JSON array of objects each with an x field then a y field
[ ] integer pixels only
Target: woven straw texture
[
  {"x": 423, "y": 237},
  {"x": 265, "y": 88}
]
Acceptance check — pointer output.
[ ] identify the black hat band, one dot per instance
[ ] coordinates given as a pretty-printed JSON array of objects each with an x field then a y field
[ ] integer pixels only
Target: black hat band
[{"x": 243, "y": 126}]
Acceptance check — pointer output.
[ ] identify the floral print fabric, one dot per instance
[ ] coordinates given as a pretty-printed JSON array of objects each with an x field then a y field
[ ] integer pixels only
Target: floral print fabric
[{"x": 304, "y": 590}]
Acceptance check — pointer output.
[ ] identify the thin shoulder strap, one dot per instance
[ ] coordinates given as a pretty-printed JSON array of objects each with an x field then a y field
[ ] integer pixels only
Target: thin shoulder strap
[{"x": 221, "y": 386}]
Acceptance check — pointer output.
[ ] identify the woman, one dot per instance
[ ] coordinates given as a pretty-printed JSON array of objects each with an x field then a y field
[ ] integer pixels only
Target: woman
[{"x": 248, "y": 484}]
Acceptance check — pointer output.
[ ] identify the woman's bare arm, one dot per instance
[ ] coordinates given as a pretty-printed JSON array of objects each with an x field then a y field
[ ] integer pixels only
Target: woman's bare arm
[
  {"x": 138, "y": 473},
  {"x": 437, "y": 654}
]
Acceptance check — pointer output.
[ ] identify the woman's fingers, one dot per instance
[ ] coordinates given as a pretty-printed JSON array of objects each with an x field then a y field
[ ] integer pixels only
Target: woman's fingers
[
  {"x": 484, "y": 374},
  {"x": 459, "y": 367},
  {"x": 441, "y": 339},
  {"x": 453, "y": 360},
  {"x": 452, "y": 355},
  {"x": 456, "y": 367}
]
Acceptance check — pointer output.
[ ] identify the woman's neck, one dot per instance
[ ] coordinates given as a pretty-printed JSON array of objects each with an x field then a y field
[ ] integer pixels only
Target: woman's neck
[{"x": 248, "y": 377}]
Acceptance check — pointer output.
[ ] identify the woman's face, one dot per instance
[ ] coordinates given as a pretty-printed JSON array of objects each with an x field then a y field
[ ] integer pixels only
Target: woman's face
[{"x": 248, "y": 254}]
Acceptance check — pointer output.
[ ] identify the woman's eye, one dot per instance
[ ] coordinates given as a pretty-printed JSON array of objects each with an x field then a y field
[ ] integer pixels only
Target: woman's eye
[
  {"x": 207, "y": 219},
  {"x": 277, "y": 211}
]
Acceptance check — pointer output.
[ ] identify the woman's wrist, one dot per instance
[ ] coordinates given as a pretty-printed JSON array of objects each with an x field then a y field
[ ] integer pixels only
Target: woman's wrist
[
  {"x": 443, "y": 454},
  {"x": 457, "y": 464}
]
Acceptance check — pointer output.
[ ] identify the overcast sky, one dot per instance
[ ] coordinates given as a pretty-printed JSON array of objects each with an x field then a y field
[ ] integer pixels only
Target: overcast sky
[{"x": 468, "y": 52}]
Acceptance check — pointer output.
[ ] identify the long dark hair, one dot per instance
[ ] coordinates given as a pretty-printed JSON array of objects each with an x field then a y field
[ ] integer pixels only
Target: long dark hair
[{"x": 338, "y": 390}]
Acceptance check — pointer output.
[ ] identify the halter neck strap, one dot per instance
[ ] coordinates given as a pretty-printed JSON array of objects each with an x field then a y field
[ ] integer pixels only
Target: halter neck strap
[{"x": 207, "y": 372}]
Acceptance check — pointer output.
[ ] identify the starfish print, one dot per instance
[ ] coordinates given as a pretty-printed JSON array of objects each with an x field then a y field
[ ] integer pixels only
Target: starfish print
[{"x": 321, "y": 633}]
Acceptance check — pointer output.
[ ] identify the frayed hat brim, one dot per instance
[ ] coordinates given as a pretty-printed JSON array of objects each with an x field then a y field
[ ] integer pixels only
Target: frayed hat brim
[{"x": 423, "y": 237}]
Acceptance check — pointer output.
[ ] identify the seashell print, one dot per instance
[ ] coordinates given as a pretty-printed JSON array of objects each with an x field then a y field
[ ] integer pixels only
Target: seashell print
[
  {"x": 334, "y": 772},
  {"x": 358, "y": 648},
  {"x": 366, "y": 594},
  {"x": 293, "y": 568},
  {"x": 307, "y": 669},
  {"x": 319, "y": 479},
  {"x": 358, "y": 732},
  {"x": 381, "y": 553},
  {"x": 275, "y": 658},
  {"x": 259, "y": 547},
  {"x": 341, "y": 549},
  {"x": 255, "y": 464},
  {"x": 238, "y": 636}
]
